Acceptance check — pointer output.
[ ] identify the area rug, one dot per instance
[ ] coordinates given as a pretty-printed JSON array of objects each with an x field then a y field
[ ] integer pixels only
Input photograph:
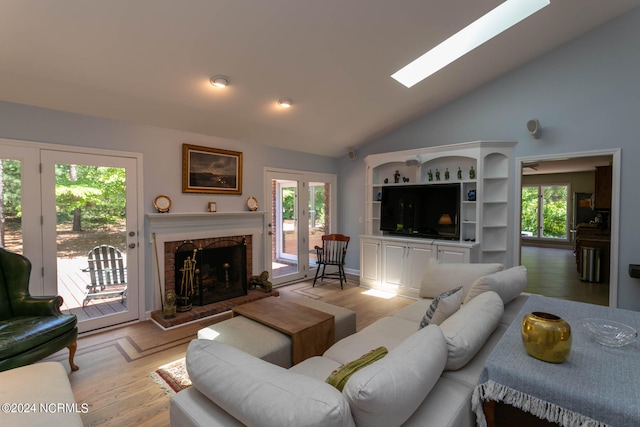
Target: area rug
[{"x": 173, "y": 376}]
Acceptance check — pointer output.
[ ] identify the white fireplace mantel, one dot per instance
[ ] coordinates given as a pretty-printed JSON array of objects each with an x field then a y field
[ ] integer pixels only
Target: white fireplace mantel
[{"x": 171, "y": 227}]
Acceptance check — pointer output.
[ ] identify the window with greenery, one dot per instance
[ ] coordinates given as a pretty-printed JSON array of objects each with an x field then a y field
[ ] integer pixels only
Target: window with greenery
[{"x": 545, "y": 212}]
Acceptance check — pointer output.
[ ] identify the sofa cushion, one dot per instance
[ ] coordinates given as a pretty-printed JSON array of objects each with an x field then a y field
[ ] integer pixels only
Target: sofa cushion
[
  {"x": 443, "y": 306},
  {"x": 508, "y": 284},
  {"x": 467, "y": 330},
  {"x": 339, "y": 377},
  {"x": 387, "y": 392},
  {"x": 414, "y": 311},
  {"x": 440, "y": 277},
  {"x": 318, "y": 367},
  {"x": 388, "y": 332},
  {"x": 258, "y": 393}
]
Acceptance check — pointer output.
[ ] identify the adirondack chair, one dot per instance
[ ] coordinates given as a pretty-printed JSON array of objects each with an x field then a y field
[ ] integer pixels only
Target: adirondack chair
[
  {"x": 332, "y": 252},
  {"x": 107, "y": 272}
]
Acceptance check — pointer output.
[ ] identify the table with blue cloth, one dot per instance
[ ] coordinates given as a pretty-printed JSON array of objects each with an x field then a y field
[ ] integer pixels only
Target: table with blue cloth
[{"x": 595, "y": 386}]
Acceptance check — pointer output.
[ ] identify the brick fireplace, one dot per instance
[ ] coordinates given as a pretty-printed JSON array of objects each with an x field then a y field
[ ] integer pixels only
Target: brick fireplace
[
  {"x": 167, "y": 232},
  {"x": 221, "y": 267}
]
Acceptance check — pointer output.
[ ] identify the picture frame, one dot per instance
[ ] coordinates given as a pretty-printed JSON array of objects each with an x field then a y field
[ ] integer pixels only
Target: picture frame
[
  {"x": 211, "y": 170},
  {"x": 212, "y": 207}
]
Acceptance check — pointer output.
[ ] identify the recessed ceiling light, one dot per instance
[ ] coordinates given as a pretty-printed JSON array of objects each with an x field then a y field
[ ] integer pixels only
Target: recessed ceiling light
[
  {"x": 219, "y": 81},
  {"x": 464, "y": 41},
  {"x": 285, "y": 103}
]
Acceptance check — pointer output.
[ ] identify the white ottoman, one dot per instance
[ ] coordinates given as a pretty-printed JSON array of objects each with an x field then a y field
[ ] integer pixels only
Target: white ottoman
[
  {"x": 39, "y": 395},
  {"x": 251, "y": 337}
]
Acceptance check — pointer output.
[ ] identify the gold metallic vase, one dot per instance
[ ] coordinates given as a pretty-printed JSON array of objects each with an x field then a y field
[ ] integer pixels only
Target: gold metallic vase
[{"x": 546, "y": 336}]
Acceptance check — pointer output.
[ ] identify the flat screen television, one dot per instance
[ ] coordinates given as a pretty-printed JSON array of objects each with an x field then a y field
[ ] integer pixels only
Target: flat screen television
[{"x": 430, "y": 211}]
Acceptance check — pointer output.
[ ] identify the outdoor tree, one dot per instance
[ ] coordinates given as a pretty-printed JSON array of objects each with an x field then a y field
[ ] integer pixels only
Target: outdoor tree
[
  {"x": 10, "y": 196},
  {"x": 552, "y": 200},
  {"x": 90, "y": 195}
]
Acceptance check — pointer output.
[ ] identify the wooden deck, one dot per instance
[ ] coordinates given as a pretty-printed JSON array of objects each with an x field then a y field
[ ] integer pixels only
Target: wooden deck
[{"x": 72, "y": 287}]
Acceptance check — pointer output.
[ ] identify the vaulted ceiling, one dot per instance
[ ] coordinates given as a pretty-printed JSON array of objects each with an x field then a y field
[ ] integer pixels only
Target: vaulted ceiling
[{"x": 150, "y": 61}]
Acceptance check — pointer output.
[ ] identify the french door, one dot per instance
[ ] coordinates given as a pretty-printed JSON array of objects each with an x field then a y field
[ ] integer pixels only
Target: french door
[
  {"x": 89, "y": 200},
  {"x": 301, "y": 210},
  {"x": 59, "y": 206}
]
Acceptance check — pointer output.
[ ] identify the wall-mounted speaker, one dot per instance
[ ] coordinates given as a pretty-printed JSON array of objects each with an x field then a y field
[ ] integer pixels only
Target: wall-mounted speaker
[
  {"x": 533, "y": 126},
  {"x": 352, "y": 154}
]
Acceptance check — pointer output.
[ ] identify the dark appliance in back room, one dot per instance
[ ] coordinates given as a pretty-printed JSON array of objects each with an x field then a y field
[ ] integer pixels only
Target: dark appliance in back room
[{"x": 583, "y": 212}]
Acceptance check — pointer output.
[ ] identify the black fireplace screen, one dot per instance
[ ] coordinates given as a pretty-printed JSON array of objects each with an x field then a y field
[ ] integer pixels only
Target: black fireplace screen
[{"x": 210, "y": 274}]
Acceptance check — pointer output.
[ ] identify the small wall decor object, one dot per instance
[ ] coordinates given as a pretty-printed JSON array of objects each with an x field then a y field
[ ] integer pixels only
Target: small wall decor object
[
  {"x": 430, "y": 174},
  {"x": 252, "y": 203},
  {"x": 210, "y": 170},
  {"x": 446, "y": 174},
  {"x": 437, "y": 175},
  {"x": 459, "y": 173},
  {"x": 162, "y": 203},
  {"x": 471, "y": 195},
  {"x": 212, "y": 207},
  {"x": 396, "y": 177},
  {"x": 472, "y": 173}
]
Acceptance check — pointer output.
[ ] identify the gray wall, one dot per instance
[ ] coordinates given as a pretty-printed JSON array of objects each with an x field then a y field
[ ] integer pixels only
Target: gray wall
[
  {"x": 162, "y": 157},
  {"x": 586, "y": 95}
]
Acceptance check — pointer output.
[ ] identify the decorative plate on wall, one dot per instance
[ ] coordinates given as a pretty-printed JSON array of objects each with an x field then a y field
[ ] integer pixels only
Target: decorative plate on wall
[
  {"x": 252, "y": 203},
  {"x": 162, "y": 203}
]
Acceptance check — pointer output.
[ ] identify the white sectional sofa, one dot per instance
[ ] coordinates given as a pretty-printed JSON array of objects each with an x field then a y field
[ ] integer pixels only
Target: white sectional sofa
[{"x": 427, "y": 377}]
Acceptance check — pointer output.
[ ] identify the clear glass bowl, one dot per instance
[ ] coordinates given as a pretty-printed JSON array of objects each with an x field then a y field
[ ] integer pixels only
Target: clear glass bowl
[{"x": 610, "y": 333}]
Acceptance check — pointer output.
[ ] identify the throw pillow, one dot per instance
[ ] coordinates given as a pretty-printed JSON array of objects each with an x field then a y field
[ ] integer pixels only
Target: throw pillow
[
  {"x": 387, "y": 392},
  {"x": 508, "y": 284},
  {"x": 467, "y": 330},
  {"x": 443, "y": 306},
  {"x": 340, "y": 376},
  {"x": 440, "y": 277}
]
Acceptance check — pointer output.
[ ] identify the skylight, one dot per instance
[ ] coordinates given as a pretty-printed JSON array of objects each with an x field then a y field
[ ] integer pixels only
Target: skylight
[{"x": 464, "y": 41}]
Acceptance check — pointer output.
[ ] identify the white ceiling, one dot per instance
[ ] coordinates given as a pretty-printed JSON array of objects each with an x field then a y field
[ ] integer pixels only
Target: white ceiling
[{"x": 149, "y": 61}]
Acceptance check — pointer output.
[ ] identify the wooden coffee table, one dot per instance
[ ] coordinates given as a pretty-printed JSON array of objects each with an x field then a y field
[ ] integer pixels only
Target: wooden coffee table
[{"x": 312, "y": 332}]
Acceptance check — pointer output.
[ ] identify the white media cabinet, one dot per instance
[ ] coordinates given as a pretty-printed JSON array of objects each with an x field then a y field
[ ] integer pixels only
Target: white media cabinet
[{"x": 397, "y": 263}]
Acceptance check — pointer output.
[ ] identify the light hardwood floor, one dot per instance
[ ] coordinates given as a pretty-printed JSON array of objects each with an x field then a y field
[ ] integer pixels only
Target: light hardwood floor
[
  {"x": 115, "y": 365},
  {"x": 553, "y": 273}
]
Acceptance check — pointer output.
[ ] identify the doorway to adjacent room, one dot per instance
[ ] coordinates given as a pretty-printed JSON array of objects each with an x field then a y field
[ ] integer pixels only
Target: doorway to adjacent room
[{"x": 537, "y": 246}]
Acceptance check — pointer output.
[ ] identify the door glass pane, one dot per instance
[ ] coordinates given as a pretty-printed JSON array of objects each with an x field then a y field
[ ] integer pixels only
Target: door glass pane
[
  {"x": 285, "y": 229},
  {"x": 554, "y": 208},
  {"x": 319, "y": 208},
  {"x": 91, "y": 212},
  {"x": 529, "y": 227},
  {"x": 11, "y": 206}
]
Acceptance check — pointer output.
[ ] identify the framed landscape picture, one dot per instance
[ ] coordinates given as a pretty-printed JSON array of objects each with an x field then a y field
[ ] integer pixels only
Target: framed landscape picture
[{"x": 210, "y": 170}]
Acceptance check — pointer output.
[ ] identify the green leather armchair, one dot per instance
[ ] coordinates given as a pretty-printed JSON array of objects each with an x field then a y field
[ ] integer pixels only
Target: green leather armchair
[{"x": 31, "y": 328}]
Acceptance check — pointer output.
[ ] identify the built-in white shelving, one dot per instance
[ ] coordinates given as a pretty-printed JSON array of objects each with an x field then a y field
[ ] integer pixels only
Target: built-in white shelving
[{"x": 484, "y": 222}]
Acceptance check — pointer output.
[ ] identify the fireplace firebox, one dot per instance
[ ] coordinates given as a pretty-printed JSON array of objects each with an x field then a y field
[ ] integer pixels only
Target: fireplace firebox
[{"x": 204, "y": 275}]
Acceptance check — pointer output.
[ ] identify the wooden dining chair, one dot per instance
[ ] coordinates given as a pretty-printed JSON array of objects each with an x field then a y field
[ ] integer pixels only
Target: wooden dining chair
[{"x": 332, "y": 252}]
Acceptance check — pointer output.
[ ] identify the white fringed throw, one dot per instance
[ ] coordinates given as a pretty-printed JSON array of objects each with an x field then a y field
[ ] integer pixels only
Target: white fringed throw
[{"x": 596, "y": 386}]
